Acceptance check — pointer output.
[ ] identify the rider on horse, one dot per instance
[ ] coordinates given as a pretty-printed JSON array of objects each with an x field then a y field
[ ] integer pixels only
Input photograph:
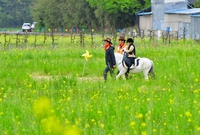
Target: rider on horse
[
  {"x": 131, "y": 53},
  {"x": 121, "y": 45}
]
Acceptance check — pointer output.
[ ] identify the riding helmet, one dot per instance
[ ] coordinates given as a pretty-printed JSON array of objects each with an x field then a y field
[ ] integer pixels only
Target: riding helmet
[{"x": 129, "y": 40}]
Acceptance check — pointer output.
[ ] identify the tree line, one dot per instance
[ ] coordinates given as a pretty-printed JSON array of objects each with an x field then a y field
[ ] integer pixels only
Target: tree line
[{"x": 86, "y": 14}]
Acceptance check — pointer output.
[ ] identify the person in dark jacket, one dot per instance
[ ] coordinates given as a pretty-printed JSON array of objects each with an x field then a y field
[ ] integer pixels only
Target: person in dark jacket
[{"x": 109, "y": 57}]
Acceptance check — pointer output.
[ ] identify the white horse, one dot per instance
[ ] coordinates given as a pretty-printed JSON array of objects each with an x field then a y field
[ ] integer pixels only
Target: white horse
[{"x": 142, "y": 64}]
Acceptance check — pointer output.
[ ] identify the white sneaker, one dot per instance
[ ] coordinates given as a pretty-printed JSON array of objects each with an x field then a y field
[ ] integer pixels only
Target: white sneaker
[{"x": 132, "y": 66}]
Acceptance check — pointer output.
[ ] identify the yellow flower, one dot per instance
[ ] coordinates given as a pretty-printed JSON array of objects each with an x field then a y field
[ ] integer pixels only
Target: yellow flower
[
  {"x": 87, "y": 126},
  {"x": 67, "y": 121},
  {"x": 189, "y": 120},
  {"x": 188, "y": 114},
  {"x": 140, "y": 116},
  {"x": 126, "y": 107},
  {"x": 87, "y": 55},
  {"x": 71, "y": 131},
  {"x": 99, "y": 112},
  {"x": 42, "y": 107},
  {"x": 196, "y": 79},
  {"x": 195, "y": 102},
  {"x": 101, "y": 125},
  {"x": 143, "y": 124},
  {"x": 68, "y": 98},
  {"x": 144, "y": 133},
  {"x": 1, "y": 113},
  {"x": 52, "y": 125},
  {"x": 195, "y": 91},
  {"x": 198, "y": 128},
  {"x": 132, "y": 124},
  {"x": 93, "y": 120},
  {"x": 171, "y": 101}
]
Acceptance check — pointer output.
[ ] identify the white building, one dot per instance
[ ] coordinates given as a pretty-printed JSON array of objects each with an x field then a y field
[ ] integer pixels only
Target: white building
[{"x": 173, "y": 15}]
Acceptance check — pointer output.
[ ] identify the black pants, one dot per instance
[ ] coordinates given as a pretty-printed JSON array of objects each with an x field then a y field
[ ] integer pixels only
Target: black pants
[
  {"x": 108, "y": 68},
  {"x": 132, "y": 60}
]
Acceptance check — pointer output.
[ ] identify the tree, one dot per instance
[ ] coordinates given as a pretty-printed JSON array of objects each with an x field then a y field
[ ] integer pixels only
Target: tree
[
  {"x": 113, "y": 6},
  {"x": 13, "y": 13},
  {"x": 197, "y": 4},
  {"x": 97, "y": 14},
  {"x": 120, "y": 13},
  {"x": 74, "y": 13}
]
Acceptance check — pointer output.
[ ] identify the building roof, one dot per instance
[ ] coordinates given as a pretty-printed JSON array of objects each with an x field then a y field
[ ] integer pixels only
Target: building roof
[
  {"x": 184, "y": 11},
  {"x": 195, "y": 15},
  {"x": 190, "y": 10},
  {"x": 144, "y": 13}
]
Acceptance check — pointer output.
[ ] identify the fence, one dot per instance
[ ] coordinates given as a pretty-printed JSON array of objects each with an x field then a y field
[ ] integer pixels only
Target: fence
[{"x": 34, "y": 39}]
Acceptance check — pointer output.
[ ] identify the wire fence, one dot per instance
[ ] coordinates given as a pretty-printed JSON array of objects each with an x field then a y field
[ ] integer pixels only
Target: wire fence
[{"x": 54, "y": 39}]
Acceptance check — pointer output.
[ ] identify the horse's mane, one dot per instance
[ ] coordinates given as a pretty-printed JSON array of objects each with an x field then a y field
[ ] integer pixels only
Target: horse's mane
[{"x": 118, "y": 54}]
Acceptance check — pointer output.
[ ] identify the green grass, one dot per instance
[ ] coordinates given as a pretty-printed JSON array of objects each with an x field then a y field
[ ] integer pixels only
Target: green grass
[{"x": 44, "y": 91}]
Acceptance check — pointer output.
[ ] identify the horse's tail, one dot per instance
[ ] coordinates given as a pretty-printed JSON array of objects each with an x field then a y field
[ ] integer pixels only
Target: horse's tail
[{"x": 152, "y": 69}]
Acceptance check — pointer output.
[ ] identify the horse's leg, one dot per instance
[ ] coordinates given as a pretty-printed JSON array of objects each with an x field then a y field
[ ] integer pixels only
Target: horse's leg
[
  {"x": 152, "y": 70},
  {"x": 146, "y": 74},
  {"x": 153, "y": 74},
  {"x": 120, "y": 74}
]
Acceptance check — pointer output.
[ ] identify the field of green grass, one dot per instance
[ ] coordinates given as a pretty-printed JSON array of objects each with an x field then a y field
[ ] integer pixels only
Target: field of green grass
[{"x": 54, "y": 91}]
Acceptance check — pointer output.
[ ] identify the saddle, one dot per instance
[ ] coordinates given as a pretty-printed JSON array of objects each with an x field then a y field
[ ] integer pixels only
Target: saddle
[{"x": 127, "y": 63}]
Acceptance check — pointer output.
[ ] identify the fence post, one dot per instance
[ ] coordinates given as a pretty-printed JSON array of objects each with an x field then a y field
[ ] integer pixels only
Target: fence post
[
  {"x": 26, "y": 39},
  {"x": 5, "y": 41},
  {"x": 35, "y": 40},
  {"x": 45, "y": 38},
  {"x": 103, "y": 34},
  {"x": 92, "y": 38},
  {"x": 17, "y": 39},
  {"x": 83, "y": 37}
]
